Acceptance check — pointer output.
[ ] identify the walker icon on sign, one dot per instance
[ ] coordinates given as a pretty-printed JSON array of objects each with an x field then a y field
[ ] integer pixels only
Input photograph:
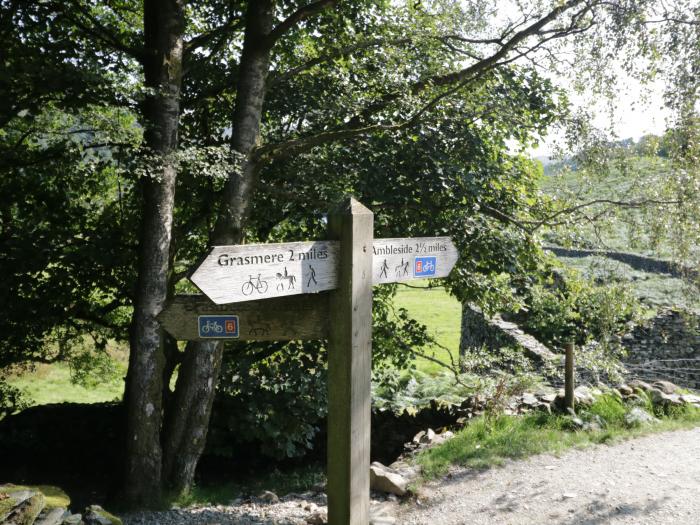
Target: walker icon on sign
[
  {"x": 218, "y": 326},
  {"x": 424, "y": 266}
]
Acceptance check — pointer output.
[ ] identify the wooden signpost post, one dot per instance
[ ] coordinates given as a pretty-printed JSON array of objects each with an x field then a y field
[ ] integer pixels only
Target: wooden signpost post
[{"x": 288, "y": 275}]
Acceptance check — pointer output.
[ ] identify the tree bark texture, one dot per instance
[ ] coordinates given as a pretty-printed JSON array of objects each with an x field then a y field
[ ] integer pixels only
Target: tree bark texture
[
  {"x": 247, "y": 114},
  {"x": 187, "y": 426},
  {"x": 187, "y": 421},
  {"x": 163, "y": 31}
]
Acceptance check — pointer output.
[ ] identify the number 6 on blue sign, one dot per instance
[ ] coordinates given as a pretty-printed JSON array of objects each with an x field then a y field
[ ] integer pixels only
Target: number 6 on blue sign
[
  {"x": 424, "y": 266},
  {"x": 218, "y": 326}
]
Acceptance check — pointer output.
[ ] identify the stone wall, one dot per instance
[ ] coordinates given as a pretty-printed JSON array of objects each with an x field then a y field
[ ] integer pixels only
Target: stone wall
[
  {"x": 495, "y": 332},
  {"x": 636, "y": 261},
  {"x": 666, "y": 347}
]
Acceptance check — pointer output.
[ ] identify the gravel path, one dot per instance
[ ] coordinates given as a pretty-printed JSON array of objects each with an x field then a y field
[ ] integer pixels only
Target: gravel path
[{"x": 650, "y": 480}]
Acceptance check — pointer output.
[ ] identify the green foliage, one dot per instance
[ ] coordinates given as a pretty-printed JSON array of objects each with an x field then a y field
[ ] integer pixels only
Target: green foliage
[
  {"x": 610, "y": 409},
  {"x": 275, "y": 399},
  {"x": 566, "y": 307},
  {"x": 12, "y": 399},
  {"x": 486, "y": 442},
  {"x": 418, "y": 390}
]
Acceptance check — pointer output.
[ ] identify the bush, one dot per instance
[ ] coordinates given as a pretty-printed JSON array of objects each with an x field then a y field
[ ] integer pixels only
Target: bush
[
  {"x": 11, "y": 399},
  {"x": 565, "y": 307}
]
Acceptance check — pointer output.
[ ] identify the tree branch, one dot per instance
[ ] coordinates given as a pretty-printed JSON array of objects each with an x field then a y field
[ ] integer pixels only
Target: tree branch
[
  {"x": 357, "y": 125},
  {"x": 297, "y": 16},
  {"x": 99, "y": 31}
]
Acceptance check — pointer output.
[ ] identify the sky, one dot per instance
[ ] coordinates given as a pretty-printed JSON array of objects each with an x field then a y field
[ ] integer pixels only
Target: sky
[{"x": 639, "y": 111}]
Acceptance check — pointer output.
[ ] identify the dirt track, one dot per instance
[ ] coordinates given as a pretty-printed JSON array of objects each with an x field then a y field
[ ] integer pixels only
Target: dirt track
[{"x": 650, "y": 480}]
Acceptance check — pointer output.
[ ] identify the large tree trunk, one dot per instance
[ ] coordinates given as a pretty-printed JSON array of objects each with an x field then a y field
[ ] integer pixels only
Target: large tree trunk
[
  {"x": 187, "y": 421},
  {"x": 163, "y": 30},
  {"x": 187, "y": 425}
]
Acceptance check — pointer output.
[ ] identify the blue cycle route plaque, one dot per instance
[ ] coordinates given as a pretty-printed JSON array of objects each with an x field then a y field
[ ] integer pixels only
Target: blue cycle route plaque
[
  {"x": 218, "y": 326},
  {"x": 424, "y": 266}
]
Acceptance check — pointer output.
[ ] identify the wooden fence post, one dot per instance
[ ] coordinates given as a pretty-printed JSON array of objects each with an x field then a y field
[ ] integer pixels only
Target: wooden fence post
[
  {"x": 349, "y": 367},
  {"x": 569, "y": 376}
]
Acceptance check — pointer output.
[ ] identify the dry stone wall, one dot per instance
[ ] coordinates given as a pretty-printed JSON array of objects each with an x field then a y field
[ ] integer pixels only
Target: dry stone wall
[
  {"x": 479, "y": 330},
  {"x": 666, "y": 347}
]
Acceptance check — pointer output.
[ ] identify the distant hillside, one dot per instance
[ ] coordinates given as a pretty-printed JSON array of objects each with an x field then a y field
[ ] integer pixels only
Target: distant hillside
[{"x": 618, "y": 229}]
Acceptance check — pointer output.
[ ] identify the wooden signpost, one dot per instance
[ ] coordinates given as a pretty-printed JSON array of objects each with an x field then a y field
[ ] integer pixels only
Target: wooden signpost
[
  {"x": 249, "y": 272},
  {"x": 234, "y": 278},
  {"x": 396, "y": 260}
]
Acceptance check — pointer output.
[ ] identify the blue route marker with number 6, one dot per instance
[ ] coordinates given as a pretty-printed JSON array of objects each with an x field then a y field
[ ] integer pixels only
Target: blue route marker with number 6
[
  {"x": 218, "y": 326},
  {"x": 424, "y": 266}
]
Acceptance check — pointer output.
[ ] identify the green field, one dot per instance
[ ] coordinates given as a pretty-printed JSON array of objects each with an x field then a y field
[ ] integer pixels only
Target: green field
[
  {"x": 52, "y": 384},
  {"x": 441, "y": 313}
]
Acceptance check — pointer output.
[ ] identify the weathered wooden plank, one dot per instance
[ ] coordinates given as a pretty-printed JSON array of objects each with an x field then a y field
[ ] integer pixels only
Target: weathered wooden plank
[
  {"x": 248, "y": 272},
  {"x": 349, "y": 368},
  {"x": 396, "y": 260},
  {"x": 279, "y": 319}
]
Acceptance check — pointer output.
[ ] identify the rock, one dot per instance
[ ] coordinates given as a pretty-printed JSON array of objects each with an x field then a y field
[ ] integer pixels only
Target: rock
[
  {"x": 428, "y": 437},
  {"x": 417, "y": 438},
  {"x": 51, "y": 516},
  {"x": 311, "y": 507},
  {"x": 635, "y": 400},
  {"x": 625, "y": 390},
  {"x": 583, "y": 396},
  {"x": 545, "y": 407},
  {"x": 638, "y": 416},
  {"x": 690, "y": 399},
  {"x": 548, "y": 398},
  {"x": 269, "y": 497},
  {"x": 407, "y": 471},
  {"x": 382, "y": 479},
  {"x": 529, "y": 399},
  {"x": 595, "y": 424},
  {"x": 577, "y": 423},
  {"x": 96, "y": 515},
  {"x": 659, "y": 397},
  {"x": 320, "y": 517},
  {"x": 73, "y": 519},
  {"x": 665, "y": 386},
  {"x": 639, "y": 385},
  {"x": 382, "y": 520},
  {"x": 21, "y": 507}
]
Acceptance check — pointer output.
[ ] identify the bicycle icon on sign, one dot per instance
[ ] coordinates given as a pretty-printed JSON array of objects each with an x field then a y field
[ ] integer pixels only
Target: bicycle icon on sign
[
  {"x": 428, "y": 266},
  {"x": 252, "y": 285}
]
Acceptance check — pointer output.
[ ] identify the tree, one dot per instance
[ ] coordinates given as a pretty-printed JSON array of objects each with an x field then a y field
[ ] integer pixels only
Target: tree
[{"x": 300, "y": 87}]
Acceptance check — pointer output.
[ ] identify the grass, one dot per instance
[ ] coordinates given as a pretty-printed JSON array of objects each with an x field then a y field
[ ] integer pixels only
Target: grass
[
  {"x": 440, "y": 312},
  {"x": 489, "y": 441},
  {"x": 52, "y": 384}
]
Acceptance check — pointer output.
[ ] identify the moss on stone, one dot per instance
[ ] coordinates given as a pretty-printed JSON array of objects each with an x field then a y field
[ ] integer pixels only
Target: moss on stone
[
  {"x": 55, "y": 496},
  {"x": 24, "y": 511},
  {"x": 115, "y": 521},
  {"x": 52, "y": 497}
]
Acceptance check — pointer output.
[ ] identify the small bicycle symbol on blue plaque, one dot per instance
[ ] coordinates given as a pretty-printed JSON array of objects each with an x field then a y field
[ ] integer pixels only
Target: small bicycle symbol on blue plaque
[
  {"x": 424, "y": 266},
  {"x": 218, "y": 326}
]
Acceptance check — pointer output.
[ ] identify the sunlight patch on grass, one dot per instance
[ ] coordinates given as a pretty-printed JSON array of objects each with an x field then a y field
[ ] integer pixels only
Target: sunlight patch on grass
[
  {"x": 440, "y": 312},
  {"x": 52, "y": 384}
]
